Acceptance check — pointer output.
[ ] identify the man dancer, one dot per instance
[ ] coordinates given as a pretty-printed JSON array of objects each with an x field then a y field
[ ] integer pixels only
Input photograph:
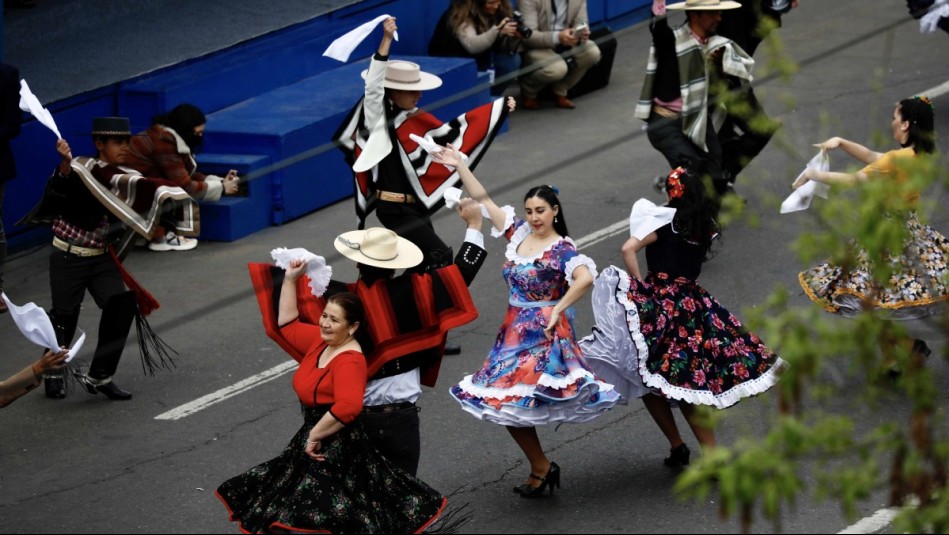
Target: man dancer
[
  {"x": 684, "y": 63},
  {"x": 82, "y": 200},
  {"x": 408, "y": 317}
]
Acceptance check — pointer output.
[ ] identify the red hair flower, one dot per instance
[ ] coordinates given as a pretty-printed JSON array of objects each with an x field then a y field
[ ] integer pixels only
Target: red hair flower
[{"x": 674, "y": 185}]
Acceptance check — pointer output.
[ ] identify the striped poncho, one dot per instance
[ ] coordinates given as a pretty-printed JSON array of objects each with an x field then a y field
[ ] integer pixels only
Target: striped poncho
[{"x": 694, "y": 79}]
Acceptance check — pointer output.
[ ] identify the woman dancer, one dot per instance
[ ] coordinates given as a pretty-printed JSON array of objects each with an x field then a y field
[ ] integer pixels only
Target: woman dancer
[
  {"x": 663, "y": 335},
  {"x": 917, "y": 284},
  {"x": 535, "y": 373},
  {"x": 329, "y": 478}
]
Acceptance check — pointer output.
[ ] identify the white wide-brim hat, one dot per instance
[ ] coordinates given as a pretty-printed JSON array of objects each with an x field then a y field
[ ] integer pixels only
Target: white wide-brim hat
[
  {"x": 705, "y": 5},
  {"x": 379, "y": 247},
  {"x": 407, "y": 76}
]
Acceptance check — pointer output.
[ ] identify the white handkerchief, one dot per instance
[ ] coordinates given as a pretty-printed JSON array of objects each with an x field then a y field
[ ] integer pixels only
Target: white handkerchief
[
  {"x": 800, "y": 199},
  {"x": 452, "y": 198},
  {"x": 646, "y": 217},
  {"x": 929, "y": 22},
  {"x": 316, "y": 268},
  {"x": 29, "y": 103},
  {"x": 35, "y": 325},
  {"x": 428, "y": 145},
  {"x": 343, "y": 46}
]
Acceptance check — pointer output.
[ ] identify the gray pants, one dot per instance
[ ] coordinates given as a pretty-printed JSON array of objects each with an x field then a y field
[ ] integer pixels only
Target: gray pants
[{"x": 555, "y": 72}]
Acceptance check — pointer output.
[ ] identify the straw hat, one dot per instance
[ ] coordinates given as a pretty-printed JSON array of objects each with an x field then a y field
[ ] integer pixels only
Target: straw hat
[
  {"x": 704, "y": 5},
  {"x": 378, "y": 247},
  {"x": 407, "y": 76}
]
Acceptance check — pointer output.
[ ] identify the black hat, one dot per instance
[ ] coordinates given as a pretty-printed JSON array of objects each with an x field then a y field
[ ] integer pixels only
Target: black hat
[{"x": 111, "y": 126}]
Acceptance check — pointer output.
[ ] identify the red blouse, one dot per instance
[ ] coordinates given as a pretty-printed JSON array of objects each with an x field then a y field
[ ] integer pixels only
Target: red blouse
[{"x": 341, "y": 384}]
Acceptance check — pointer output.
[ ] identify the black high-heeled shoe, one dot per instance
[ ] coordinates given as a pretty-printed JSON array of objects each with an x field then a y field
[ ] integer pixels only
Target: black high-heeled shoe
[
  {"x": 551, "y": 480},
  {"x": 920, "y": 346},
  {"x": 678, "y": 456}
]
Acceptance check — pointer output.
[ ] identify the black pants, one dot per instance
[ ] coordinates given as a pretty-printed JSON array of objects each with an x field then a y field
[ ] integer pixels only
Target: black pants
[
  {"x": 412, "y": 223},
  {"x": 69, "y": 278},
  {"x": 740, "y": 147},
  {"x": 396, "y": 435},
  {"x": 665, "y": 135}
]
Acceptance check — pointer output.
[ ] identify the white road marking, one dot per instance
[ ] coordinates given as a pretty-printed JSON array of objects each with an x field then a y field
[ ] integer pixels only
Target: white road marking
[
  {"x": 874, "y": 523},
  {"x": 216, "y": 397},
  {"x": 939, "y": 90},
  {"x": 269, "y": 375}
]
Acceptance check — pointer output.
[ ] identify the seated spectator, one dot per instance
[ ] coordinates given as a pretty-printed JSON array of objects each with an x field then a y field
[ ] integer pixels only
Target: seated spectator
[
  {"x": 483, "y": 30},
  {"x": 31, "y": 376},
  {"x": 560, "y": 42},
  {"x": 166, "y": 150}
]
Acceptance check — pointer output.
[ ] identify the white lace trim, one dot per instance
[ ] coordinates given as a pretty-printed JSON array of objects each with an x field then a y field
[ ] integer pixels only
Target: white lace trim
[
  {"x": 522, "y": 232},
  {"x": 577, "y": 261},
  {"x": 657, "y": 382},
  {"x": 508, "y": 221},
  {"x": 525, "y": 390}
]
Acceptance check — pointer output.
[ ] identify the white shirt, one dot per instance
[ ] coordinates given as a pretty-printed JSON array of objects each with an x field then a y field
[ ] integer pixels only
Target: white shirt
[{"x": 396, "y": 389}]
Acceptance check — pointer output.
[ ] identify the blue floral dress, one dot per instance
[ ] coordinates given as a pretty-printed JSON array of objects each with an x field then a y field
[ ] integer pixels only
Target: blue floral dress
[{"x": 528, "y": 380}]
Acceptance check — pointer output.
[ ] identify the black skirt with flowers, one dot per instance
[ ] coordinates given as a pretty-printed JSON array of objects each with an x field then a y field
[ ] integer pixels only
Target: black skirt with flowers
[
  {"x": 669, "y": 335},
  {"x": 355, "y": 490}
]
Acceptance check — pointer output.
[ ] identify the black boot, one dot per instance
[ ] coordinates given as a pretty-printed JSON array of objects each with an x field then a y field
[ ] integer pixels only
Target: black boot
[
  {"x": 64, "y": 324},
  {"x": 117, "y": 317}
]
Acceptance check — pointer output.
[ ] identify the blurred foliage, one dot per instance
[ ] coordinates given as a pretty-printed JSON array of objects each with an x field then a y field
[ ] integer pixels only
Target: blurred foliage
[{"x": 815, "y": 446}]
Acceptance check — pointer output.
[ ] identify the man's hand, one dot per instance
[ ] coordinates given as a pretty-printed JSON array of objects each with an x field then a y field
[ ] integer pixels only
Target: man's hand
[
  {"x": 65, "y": 155},
  {"x": 567, "y": 38},
  {"x": 470, "y": 210}
]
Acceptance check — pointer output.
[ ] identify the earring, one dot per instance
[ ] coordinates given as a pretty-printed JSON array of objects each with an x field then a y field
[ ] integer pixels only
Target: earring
[{"x": 556, "y": 219}]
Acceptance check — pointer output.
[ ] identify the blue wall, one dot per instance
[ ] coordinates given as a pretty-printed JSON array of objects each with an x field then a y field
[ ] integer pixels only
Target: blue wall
[{"x": 261, "y": 65}]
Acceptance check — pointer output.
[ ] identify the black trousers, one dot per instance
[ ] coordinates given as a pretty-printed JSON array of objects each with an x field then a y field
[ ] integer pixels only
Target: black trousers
[
  {"x": 412, "y": 223},
  {"x": 741, "y": 146},
  {"x": 70, "y": 276},
  {"x": 396, "y": 435},
  {"x": 665, "y": 135}
]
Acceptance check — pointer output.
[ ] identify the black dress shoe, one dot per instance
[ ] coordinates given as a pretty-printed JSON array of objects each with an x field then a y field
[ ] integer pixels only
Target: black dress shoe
[
  {"x": 452, "y": 349},
  {"x": 678, "y": 456},
  {"x": 112, "y": 391},
  {"x": 55, "y": 386}
]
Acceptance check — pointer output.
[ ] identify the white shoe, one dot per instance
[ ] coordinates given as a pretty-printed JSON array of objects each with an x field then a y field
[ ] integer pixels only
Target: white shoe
[{"x": 173, "y": 242}]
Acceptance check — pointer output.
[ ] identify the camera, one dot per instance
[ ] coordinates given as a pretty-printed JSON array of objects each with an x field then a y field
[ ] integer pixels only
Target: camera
[{"x": 522, "y": 28}]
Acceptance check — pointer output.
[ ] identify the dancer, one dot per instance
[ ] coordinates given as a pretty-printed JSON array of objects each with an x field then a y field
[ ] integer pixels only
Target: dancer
[
  {"x": 677, "y": 98},
  {"x": 330, "y": 478},
  {"x": 917, "y": 284},
  {"x": 535, "y": 374},
  {"x": 83, "y": 198},
  {"x": 409, "y": 315},
  {"x": 662, "y": 336}
]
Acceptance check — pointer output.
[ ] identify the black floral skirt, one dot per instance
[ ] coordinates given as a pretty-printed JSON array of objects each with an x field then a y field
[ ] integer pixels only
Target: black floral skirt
[{"x": 355, "y": 490}]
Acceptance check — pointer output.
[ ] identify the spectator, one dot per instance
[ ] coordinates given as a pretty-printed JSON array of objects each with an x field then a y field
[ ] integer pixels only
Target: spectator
[
  {"x": 483, "y": 30},
  {"x": 676, "y": 109},
  {"x": 9, "y": 129},
  {"x": 31, "y": 376},
  {"x": 166, "y": 150},
  {"x": 558, "y": 27}
]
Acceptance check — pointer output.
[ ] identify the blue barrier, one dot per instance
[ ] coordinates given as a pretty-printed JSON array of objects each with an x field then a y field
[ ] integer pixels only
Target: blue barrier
[{"x": 242, "y": 74}]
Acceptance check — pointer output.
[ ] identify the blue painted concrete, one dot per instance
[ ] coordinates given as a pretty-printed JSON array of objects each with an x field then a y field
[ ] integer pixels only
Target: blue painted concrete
[{"x": 239, "y": 78}]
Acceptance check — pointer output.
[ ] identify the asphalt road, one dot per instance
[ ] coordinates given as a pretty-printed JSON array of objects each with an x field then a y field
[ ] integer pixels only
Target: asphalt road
[{"x": 86, "y": 465}]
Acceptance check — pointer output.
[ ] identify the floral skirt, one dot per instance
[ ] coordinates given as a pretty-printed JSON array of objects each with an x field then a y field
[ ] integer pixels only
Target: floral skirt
[
  {"x": 355, "y": 490},
  {"x": 916, "y": 289},
  {"x": 528, "y": 380},
  {"x": 670, "y": 335}
]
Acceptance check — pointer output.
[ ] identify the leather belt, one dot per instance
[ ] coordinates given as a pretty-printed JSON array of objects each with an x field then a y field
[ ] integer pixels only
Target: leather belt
[
  {"x": 389, "y": 196},
  {"x": 75, "y": 249},
  {"x": 391, "y": 407},
  {"x": 664, "y": 112}
]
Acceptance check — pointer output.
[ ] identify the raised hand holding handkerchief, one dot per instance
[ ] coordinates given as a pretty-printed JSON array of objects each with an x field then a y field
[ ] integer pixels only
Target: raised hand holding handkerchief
[
  {"x": 428, "y": 145},
  {"x": 30, "y": 104},
  {"x": 316, "y": 268},
  {"x": 800, "y": 199},
  {"x": 343, "y": 46}
]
